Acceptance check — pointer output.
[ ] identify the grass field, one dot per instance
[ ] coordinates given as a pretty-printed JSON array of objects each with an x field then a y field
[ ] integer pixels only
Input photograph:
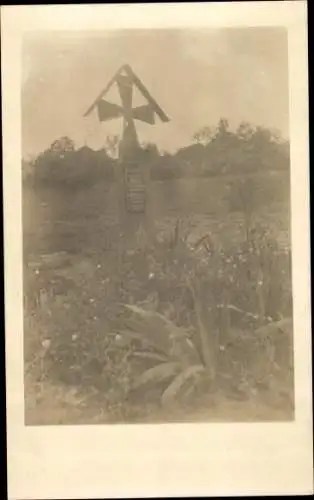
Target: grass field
[{"x": 82, "y": 217}]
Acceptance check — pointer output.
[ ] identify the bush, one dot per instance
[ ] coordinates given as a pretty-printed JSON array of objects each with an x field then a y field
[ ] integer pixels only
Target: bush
[
  {"x": 72, "y": 169},
  {"x": 249, "y": 149}
]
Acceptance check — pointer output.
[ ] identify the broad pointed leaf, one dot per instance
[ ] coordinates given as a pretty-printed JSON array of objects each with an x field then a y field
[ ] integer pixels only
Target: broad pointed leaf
[
  {"x": 169, "y": 337},
  {"x": 157, "y": 374},
  {"x": 141, "y": 337},
  {"x": 275, "y": 328},
  {"x": 174, "y": 388},
  {"x": 150, "y": 355}
]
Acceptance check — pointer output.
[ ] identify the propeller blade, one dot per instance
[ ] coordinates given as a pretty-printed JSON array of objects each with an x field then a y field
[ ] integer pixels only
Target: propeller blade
[
  {"x": 108, "y": 111},
  {"x": 157, "y": 109},
  {"x": 144, "y": 114}
]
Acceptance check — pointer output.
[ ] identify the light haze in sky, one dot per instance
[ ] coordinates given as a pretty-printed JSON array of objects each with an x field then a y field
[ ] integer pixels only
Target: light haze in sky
[{"x": 197, "y": 77}]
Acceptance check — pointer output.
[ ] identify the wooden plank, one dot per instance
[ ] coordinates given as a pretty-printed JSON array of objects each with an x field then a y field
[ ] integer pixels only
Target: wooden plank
[
  {"x": 141, "y": 87},
  {"x": 102, "y": 93}
]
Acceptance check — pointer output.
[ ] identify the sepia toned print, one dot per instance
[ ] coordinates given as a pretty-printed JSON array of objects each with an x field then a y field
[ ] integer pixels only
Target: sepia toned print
[{"x": 156, "y": 227}]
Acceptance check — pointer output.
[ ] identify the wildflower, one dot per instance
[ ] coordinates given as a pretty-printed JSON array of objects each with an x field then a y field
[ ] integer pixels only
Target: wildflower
[
  {"x": 92, "y": 300},
  {"x": 36, "y": 271},
  {"x": 98, "y": 266},
  {"x": 74, "y": 336},
  {"x": 151, "y": 275},
  {"x": 46, "y": 343},
  {"x": 222, "y": 348},
  {"x": 118, "y": 337},
  {"x": 260, "y": 282}
]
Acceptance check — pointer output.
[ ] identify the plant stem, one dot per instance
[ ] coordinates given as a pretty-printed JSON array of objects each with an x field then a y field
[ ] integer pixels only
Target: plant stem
[{"x": 208, "y": 343}]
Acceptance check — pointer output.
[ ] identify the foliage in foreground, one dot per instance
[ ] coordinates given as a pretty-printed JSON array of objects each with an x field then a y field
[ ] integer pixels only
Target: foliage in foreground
[{"x": 193, "y": 319}]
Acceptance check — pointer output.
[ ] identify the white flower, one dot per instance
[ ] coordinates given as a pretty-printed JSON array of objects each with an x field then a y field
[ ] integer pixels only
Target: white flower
[
  {"x": 74, "y": 336},
  {"x": 98, "y": 266},
  {"x": 118, "y": 337},
  {"x": 46, "y": 343},
  {"x": 36, "y": 271},
  {"x": 92, "y": 300},
  {"x": 221, "y": 348},
  {"x": 151, "y": 275}
]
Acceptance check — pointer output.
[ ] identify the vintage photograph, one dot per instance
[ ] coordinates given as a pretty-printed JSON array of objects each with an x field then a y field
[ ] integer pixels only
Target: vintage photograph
[{"x": 157, "y": 281}]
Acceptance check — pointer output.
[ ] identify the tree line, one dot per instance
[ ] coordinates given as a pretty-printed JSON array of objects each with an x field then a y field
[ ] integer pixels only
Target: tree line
[{"x": 213, "y": 151}]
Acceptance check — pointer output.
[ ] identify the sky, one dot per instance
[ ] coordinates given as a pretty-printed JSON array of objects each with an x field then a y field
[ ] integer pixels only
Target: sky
[{"x": 196, "y": 76}]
